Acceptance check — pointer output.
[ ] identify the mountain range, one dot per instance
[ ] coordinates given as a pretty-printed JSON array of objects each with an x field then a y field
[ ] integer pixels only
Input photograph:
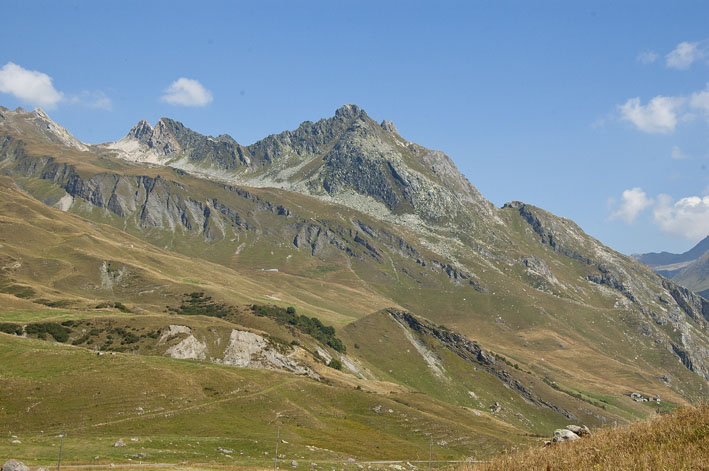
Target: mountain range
[
  {"x": 337, "y": 281},
  {"x": 690, "y": 269}
]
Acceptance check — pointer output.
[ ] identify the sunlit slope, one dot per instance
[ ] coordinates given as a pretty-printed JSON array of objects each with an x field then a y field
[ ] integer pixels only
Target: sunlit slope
[
  {"x": 57, "y": 257},
  {"x": 678, "y": 441},
  {"x": 183, "y": 410}
]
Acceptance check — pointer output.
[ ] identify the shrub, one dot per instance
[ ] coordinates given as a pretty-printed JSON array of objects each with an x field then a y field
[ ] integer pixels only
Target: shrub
[
  {"x": 308, "y": 325},
  {"x": 13, "y": 329},
  {"x": 59, "y": 332},
  {"x": 197, "y": 304}
]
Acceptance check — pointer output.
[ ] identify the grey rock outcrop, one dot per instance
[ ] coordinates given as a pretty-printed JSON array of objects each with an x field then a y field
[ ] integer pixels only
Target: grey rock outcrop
[
  {"x": 692, "y": 304},
  {"x": 14, "y": 465},
  {"x": 247, "y": 349},
  {"x": 564, "y": 435},
  {"x": 579, "y": 430}
]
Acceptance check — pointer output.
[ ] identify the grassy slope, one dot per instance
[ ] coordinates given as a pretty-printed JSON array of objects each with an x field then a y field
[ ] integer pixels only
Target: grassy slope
[
  {"x": 183, "y": 410},
  {"x": 60, "y": 256},
  {"x": 678, "y": 441},
  {"x": 60, "y": 262}
]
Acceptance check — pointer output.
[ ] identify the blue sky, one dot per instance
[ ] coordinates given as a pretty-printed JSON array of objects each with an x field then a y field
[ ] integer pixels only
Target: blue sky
[{"x": 595, "y": 111}]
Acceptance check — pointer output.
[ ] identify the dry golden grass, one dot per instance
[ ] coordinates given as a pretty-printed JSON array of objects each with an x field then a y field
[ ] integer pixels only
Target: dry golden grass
[{"x": 677, "y": 441}]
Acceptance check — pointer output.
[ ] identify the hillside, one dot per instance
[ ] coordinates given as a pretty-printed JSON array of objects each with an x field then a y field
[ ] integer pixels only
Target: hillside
[
  {"x": 677, "y": 441},
  {"x": 401, "y": 284}
]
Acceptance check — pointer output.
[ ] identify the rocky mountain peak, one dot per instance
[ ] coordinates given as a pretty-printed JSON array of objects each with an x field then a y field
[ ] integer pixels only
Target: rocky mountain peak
[
  {"x": 389, "y": 127},
  {"x": 141, "y": 131},
  {"x": 348, "y": 157},
  {"x": 350, "y": 112},
  {"x": 166, "y": 126},
  {"x": 42, "y": 125},
  {"x": 39, "y": 113}
]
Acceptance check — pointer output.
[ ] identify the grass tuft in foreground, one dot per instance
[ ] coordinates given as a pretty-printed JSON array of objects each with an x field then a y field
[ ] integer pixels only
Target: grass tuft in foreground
[{"x": 676, "y": 441}]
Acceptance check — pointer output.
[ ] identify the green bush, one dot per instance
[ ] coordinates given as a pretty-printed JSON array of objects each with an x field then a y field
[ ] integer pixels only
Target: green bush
[
  {"x": 59, "y": 332},
  {"x": 111, "y": 304},
  {"x": 13, "y": 329},
  {"x": 308, "y": 325},
  {"x": 197, "y": 304}
]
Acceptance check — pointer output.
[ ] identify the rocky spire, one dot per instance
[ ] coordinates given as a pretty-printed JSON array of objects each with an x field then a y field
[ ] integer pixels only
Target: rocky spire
[
  {"x": 142, "y": 131},
  {"x": 389, "y": 127},
  {"x": 350, "y": 112}
]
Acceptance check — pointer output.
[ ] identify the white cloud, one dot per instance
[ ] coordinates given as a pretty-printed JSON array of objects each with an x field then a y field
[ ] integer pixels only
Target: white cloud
[
  {"x": 93, "y": 99},
  {"x": 29, "y": 85},
  {"x": 685, "y": 54},
  {"x": 658, "y": 116},
  {"x": 688, "y": 217},
  {"x": 634, "y": 201},
  {"x": 700, "y": 100},
  {"x": 187, "y": 92},
  {"x": 647, "y": 57},
  {"x": 677, "y": 154}
]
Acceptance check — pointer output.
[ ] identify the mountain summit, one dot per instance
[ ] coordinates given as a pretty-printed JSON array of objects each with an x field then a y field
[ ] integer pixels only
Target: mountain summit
[{"x": 348, "y": 158}]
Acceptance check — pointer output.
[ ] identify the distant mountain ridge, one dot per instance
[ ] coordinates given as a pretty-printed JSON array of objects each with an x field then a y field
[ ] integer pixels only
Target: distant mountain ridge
[
  {"x": 690, "y": 269},
  {"x": 666, "y": 258}
]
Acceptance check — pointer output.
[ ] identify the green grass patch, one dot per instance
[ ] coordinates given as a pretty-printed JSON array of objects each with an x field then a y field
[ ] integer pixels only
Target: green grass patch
[{"x": 35, "y": 315}]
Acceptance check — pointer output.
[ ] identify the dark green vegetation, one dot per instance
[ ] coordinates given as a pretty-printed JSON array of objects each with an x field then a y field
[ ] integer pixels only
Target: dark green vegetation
[
  {"x": 198, "y": 304},
  {"x": 41, "y": 329},
  {"x": 108, "y": 304},
  {"x": 195, "y": 314},
  {"x": 15, "y": 329},
  {"x": 312, "y": 326}
]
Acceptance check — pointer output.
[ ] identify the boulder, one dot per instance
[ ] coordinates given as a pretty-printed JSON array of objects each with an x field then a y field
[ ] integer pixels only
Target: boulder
[
  {"x": 563, "y": 435},
  {"x": 14, "y": 465},
  {"x": 119, "y": 442},
  {"x": 579, "y": 430}
]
